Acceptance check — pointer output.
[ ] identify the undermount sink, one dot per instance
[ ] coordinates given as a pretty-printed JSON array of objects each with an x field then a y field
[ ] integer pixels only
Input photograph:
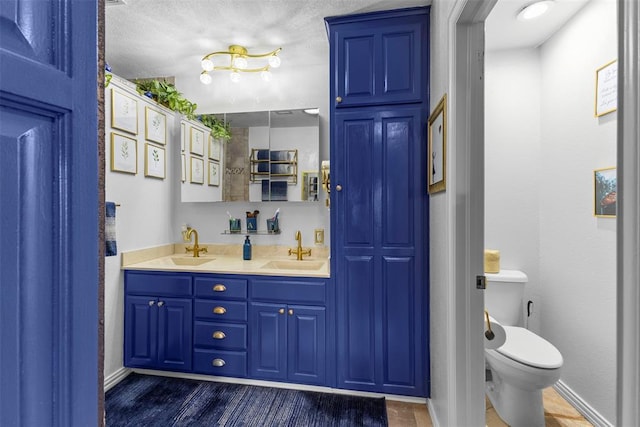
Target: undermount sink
[
  {"x": 190, "y": 260},
  {"x": 293, "y": 265}
]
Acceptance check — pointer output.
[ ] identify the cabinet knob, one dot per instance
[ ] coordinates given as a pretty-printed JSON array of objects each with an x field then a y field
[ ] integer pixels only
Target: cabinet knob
[
  {"x": 160, "y": 303},
  {"x": 219, "y": 288},
  {"x": 219, "y": 310},
  {"x": 338, "y": 99},
  {"x": 219, "y": 335},
  {"x": 151, "y": 303},
  {"x": 281, "y": 311},
  {"x": 218, "y": 362},
  {"x": 290, "y": 312},
  {"x": 338, "y": 187}
]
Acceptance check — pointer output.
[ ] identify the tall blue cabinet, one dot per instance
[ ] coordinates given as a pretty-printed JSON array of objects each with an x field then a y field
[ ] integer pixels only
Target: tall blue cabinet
[{"x": 379, "y": 204}]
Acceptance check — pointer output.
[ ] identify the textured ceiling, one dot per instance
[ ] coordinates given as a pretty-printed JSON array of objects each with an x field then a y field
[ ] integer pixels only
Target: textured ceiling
[{"x": 158, "y": 38}]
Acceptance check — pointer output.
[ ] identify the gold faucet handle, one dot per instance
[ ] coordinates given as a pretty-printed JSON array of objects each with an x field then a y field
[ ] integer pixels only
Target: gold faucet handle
[
  {"x": 188, "y": 249},
  {"x": 204, "y": 249},
  {"x": 309, "y": 252},
  {"x": 290, "y": 251}
]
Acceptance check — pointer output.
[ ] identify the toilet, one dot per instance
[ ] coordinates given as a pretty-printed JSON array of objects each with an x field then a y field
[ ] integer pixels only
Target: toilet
[{"x": 525, "y": 364}]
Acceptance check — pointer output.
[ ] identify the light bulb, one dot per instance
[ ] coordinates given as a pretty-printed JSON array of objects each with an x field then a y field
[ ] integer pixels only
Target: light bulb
[
  {"x": 240, "y": 62},
  {"x": 235, "y": 76},
  {"x": 207, "y": 64},
  {"x": 266, "y": 75},
  {"x": 205, "y": 78},
  {"x": 274, "y": 61}
]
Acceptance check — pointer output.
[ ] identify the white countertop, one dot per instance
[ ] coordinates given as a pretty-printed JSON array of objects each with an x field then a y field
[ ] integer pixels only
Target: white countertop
[{"x": 224, "y": 261}]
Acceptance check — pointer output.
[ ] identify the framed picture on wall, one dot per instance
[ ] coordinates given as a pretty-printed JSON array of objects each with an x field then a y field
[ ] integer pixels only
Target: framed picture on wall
[
  {"x": 437, "y": 147},
  {"x": 155, "y": 126},
  {"x": 124, "y": 112},
  {"x": 214, "y": 173},
  {"x": 197, "y": 171},
  {"x": 607, "y": 89},
  {"x": 184, "y": 167},
  {"x": 605, "y": 200},
  {"x": 124, "y": 154},
  {"x": 154, "y": 161},
  {"x": 183, "y": 137},
  {"x": 197, "y": 142},
  {"x": 214, "y": 148}
]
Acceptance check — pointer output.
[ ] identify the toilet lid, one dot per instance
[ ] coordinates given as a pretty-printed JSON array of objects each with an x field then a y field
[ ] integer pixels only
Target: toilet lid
[{"x": 525, "y": 347}]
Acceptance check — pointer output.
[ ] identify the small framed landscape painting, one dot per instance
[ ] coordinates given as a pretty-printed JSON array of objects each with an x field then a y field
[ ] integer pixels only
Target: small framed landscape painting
[{"x": 605, "y": 199}]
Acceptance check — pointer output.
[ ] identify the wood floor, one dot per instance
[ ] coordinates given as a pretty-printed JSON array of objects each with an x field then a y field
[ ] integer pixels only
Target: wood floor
[{"x": 557, "y": 413}]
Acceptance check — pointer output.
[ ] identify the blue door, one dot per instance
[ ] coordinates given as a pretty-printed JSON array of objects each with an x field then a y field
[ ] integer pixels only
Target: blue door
[{"x": 49, "y": 270}]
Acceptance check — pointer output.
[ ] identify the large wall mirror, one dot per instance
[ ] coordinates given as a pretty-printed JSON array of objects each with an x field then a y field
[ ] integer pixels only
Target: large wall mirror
[{"x": 271, "y": 156}]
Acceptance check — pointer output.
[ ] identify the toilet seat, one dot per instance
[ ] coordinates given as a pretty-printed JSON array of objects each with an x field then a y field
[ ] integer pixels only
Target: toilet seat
[{"x": 527, "y": 348}]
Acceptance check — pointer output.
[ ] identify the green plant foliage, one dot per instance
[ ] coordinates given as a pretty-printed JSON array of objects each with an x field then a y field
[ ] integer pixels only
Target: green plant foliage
[
  {"x": 166, "y": 94},
  {"x": 219, "y": 129}
]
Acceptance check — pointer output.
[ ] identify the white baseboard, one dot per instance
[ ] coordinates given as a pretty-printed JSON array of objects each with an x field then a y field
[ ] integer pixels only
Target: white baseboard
[
  {"x": 290, "y": 386},
  {"x": 115, "y": 378},
  {"x": 432, "y": 413},
  {"x": 581, "y": 406}
]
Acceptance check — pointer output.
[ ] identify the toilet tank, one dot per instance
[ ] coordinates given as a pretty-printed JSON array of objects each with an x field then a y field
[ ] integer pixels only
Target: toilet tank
[{"x": 504, "y": 295}]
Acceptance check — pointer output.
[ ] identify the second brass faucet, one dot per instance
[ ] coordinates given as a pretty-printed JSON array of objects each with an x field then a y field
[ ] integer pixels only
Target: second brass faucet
[
  {"x": 298, "y": 251},
  {"x": 196, "y": 249}
]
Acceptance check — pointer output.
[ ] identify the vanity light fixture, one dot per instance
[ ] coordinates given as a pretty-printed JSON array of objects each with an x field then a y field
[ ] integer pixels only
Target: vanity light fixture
[
  {"x": 534, "y": 10},
  {"x": 238, "y": 62}
]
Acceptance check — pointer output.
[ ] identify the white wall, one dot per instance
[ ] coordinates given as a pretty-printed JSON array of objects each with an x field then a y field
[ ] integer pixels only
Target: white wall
[
  {"x": 143, "y": 219},
  {"x": 513, "y": 166},
  {"x": 542, "y": 145}
]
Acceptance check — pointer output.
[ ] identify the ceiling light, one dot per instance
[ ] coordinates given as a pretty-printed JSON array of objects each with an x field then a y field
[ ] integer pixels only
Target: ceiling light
[
  {"x": 312, "y": 111},
  {"x": 535, "y": 10},
  {"x": 205, "y": 78},
  {"x": 238, "y": 61}
]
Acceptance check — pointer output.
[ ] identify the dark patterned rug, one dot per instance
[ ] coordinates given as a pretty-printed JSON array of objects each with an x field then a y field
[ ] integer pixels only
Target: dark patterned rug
[{"x": 144, "y": 400}]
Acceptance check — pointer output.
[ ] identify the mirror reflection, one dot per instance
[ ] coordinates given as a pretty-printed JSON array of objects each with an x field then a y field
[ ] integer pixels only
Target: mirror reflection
[{"x": 271, "y": 156}]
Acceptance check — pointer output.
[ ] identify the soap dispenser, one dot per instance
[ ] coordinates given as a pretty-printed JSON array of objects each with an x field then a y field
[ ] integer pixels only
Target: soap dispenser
[{"x": 246, "y": 249}]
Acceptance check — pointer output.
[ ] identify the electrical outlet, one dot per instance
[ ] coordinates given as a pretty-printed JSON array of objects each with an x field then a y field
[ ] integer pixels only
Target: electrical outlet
[{"x": 318, "y": 236}]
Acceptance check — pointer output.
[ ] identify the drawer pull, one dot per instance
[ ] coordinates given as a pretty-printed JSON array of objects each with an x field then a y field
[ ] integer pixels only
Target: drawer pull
[
  {"x": 151, "y": 303},
  {"x": 281, "y": 311},
  {"x": 219, "y": 288},
  {"x": 290, "y": 312},
  {"x": 219, "y": 335},
  {"x": 218, "y": 363},
  {"x": 219, "y": 310}
]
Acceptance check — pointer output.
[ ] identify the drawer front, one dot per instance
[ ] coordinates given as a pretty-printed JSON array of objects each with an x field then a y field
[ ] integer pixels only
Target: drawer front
[
  {"x": 220, "y": 288},
  {"x": 221, "y": 336},
  {"x": 158, "y": 284},
  {"x": 220, "y": 310},
  {"x": 224, "y": 363},
  {"x": 285, "y": 290}
]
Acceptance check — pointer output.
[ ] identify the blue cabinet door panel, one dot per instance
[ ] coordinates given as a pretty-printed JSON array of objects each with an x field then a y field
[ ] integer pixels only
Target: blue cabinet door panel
[
  {"x": 359, "y": 67},
  {"x": 356, "y": 317},
  {"x": 398, "y": 169},
  {"x": 174, "y": 334},
  {"x": 140, "y": 344},
  {"x": 401, "y": 64},
  {"x": 358, "y": 186},
  {"x": 306, "y": 346},
  {"x": 268, "y": 350},
  {"x": 400, "y": 346}
]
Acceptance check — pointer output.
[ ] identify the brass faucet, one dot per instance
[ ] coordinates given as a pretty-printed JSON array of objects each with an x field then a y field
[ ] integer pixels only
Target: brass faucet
[
  {"x": 196, "y": 249},
  {"x": 299, "y": 251}
]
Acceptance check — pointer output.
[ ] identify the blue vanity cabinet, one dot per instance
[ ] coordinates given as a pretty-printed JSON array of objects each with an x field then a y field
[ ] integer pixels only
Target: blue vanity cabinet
[
  {"x": 220, "y": 325},
  {"x": 287, "y": 320},
  {"x": 158, "y": 319},
  {"x": 376, "y": 57},
  {"x": 379, "y": 213}
]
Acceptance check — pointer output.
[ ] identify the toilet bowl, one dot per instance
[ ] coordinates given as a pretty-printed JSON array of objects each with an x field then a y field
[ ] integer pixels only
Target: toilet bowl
[
  {"x": 520, "y": 369},
  {"x": 525, "y": 364}
]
